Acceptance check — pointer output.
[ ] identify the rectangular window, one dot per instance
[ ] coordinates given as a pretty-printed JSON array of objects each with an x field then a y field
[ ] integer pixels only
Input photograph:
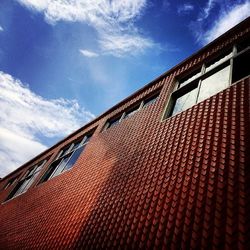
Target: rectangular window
[
  {"x": 132, "y": 110},
  {"x": 113, "y": 122},
  {"x": 66, "y": 158},
  {"x": 150, "y": 100},
  {"x": 10, "y": 183},
  {"x": 24, "y": 184},
  {"x": 214, "y": 83},
  {"x": 212, "y": 78}
]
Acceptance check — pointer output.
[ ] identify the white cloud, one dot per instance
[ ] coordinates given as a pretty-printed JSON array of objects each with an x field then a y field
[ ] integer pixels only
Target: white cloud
[
  {"x": 88, "y": 53},
  {"x": 206, "y": 11},
  {"x": 227, "y": 20},
  {"x": 109, "y": 18},
  {"x": 25, "y": 116},
  {"x": 121, "y": 44},
  {"x": 185, "y": 8},
  {"x": 1, "y": 28}
]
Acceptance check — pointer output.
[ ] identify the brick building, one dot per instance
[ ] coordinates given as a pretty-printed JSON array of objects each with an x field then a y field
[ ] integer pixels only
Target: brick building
[{"x": 168, "y": 167}]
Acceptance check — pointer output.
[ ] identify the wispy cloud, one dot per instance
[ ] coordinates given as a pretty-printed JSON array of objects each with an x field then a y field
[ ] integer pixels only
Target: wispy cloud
[
  {"x": 25, "y": 116},
  {"x": 1, "y": 28},
  {"x": 185, "y": 8},
  {"x": 207, "y": 9},
  {"x": 115, "y": 19},
  {"x": 217, "y": 17},
  {"x": 88, "y": 53},
  {"x": 227, "y": 20}
]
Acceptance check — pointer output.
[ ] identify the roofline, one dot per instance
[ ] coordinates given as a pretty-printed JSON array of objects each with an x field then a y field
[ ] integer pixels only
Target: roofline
[{"x": 151, "y": 83}]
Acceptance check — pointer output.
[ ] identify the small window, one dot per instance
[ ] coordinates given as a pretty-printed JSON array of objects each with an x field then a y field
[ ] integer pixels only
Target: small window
[
  {"x": 24, "y": 184},
  {"x": 66, "y": 158},
  {"x": 150, "y": 100},
  {"x": 10, "y": 182},
  {"x": 132, "y": 111},
  {"x": 113, "y": 122}
]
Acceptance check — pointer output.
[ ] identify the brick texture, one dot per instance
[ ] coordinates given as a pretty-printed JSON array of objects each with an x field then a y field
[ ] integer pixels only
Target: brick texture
[{"x": 147, "y": 183}]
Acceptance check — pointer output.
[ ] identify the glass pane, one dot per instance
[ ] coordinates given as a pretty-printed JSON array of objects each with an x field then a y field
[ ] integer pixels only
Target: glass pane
[
  {"x": 218, "y": 61},
  {"x": 22, "y": 187},
  {"x": 150, "y": 101},
  {"x": 50, "y": 170},
  {"x": 214, "y": 83},
  {"x": 76, "y": 145},
  {"x": 64, "y": 151},
  {"x": 61, "y": 166},
  {"x": 189, "y": 79},
  {"x": 87, "y": 138},
  {"x": 241, "y": 66},
  {"x": 132, "y": 111},
  {"x": 114, "y": 122},
  {"x": 74, "y": 157},
  {"x": 243, "y": 45},
  {"x": 186, "y": 101},
  {"x": 30, "y": 182}
]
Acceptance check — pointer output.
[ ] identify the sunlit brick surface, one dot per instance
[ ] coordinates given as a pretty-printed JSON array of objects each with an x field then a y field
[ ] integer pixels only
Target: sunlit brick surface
[{"x": 180, "y": 183}]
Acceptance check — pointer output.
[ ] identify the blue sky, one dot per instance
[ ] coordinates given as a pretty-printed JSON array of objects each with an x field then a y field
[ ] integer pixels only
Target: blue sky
[{"x": 64, "y": 62}]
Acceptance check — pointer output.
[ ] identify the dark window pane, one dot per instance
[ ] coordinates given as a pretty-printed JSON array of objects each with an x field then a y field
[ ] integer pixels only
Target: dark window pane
[
  {"x": 241, "y": 67},
  {"x": 214, "y": 83},
  {"x": 73, "y": 158},
  {"x": 9, "y": 183},
  {"x": 114, "y": 122},
  {"x": 132, "y": 111},
  {"x": 51, "y": 169},
  {"x": 61, "y": 166},
  {"x": 150, "y": 101},
  {"x": 15, "y": 190},
  {"x": 185, "y": 101},
  {"x": 87, "y": 138},
  {"x": 64, "y": 151},
  {"x": 76, "y": 145},
  {"x": 243, "y": 45}
]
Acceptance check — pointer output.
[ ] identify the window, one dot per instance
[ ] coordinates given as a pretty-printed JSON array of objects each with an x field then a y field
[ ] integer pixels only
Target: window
[
  {"x": 113, "y": 122},
  {"x": 10, "y": 183},
  {"x": 66, "y": 158},
  {"x": 150, "y": 100},
  {"x": 210, "y": 79},
  {"x": 132, "y": 110},
  {"x": 24, "y": 184}
]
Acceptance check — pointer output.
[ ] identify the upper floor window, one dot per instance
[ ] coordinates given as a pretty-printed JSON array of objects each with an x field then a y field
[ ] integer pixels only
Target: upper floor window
[
  {"x": 10, "y": 183},
  {"x": 27, "y": 180},
  {"x": 210, "y": 79},
  {"x": 132, "y": 110},
  {"x": 66, "y": 158}
]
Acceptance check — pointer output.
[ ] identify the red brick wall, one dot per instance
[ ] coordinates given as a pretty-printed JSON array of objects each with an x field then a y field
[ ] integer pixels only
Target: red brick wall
[{"x": 147, "y": 183}]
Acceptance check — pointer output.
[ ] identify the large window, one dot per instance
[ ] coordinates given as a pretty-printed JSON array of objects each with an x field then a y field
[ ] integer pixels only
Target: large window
[
  {"x": 27, "y": 180},
  {"x": 66, "y": 158},
  {"x": 213, "y": 77}
]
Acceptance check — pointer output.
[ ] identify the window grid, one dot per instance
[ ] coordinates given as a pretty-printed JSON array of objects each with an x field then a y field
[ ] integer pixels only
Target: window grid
[
  {"x": 66, "y": 158},
  {"x": 132, "y": 110},
  {"x": 27, "y": 180},
  {"x": 206, "y": 70}
]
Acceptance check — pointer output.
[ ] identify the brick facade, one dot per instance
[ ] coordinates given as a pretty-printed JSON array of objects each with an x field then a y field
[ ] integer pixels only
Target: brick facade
[{"x": 177, "y": 183}]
